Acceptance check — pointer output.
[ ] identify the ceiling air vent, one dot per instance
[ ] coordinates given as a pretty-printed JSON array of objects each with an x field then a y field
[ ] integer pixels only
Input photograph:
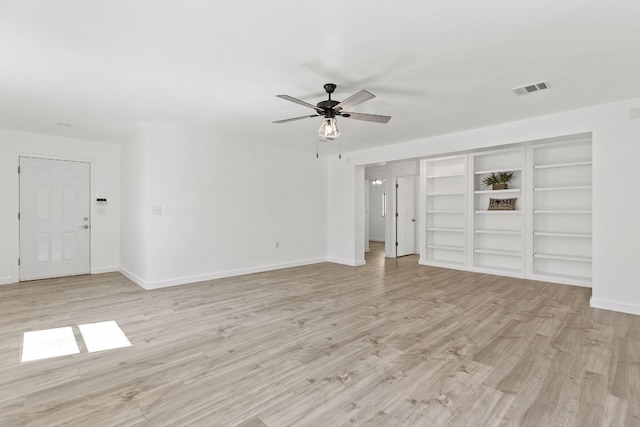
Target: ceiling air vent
[{"x": 534, "y": 87}]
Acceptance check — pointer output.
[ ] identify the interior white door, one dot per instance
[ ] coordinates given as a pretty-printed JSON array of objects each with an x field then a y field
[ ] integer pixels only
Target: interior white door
[
  {"x": 405, "y": 216},
  {"x": 367, "y": 194},
  {"x": 54, "y": 218}
]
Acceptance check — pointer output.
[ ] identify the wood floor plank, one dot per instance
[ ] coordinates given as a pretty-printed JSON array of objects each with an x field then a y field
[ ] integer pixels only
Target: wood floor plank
[{"x": 390, "y": 343}]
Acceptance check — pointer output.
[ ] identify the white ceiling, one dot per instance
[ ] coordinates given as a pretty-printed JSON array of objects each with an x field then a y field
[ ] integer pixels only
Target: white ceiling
[{"x": 437, "y": 67}]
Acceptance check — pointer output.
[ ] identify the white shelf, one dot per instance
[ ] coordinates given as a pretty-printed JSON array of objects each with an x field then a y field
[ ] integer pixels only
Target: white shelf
[
  {"x": 447, "y": 193},
  {"x": 554, "y": 234},
  {"x": 563, "y": 212},
  {"x": 501, "y": 252},
  {"x": 450, "y": 230},
  {"x": 575, "y": 258},
  {"x": 560, "y": 178},
  {"x": 508, "y": 190},
  {"x": 445, "y": 212},
  {"x": 568, "y": 277},
  {"x": 445, "y": 187},
  {"x": 498, "y": 171},
  {"x": 570, "y": 188},
  {"x": 447, "y": 247},
  {"x": 505, "y": 232},
  {"x": 563, "y": 165},
  {"x": 459, "y": 265},
  {"x": 445, "y": 175},
  {"x": 498, "y": 212},
  {"x": 493, "y": 268}
]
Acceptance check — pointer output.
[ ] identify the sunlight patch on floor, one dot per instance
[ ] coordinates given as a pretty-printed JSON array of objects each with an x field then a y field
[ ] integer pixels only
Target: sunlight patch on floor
[
  {"x": 103, "y": 336},
  {"x": 48, "y": 343}
]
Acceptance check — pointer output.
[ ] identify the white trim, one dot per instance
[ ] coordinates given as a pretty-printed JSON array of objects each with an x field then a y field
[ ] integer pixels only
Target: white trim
[
  {"x": 443, "y": 264},
  {"x": 7, "y": 280},
  {"x": 219, "y": 275},
  {"x": 135, "y": 279},
  {"x": 614, "y": 306},
  {"x": 351, "y": 263},
  {"x": 107, "y": 269}
]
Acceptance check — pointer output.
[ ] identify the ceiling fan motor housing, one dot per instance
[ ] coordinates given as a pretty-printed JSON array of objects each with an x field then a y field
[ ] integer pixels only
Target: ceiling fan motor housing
[{"x": 326, "y": 107}]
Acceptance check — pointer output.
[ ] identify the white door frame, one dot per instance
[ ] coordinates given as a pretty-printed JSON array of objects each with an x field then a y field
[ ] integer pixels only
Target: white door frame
[{"x": 16, "y": 204}]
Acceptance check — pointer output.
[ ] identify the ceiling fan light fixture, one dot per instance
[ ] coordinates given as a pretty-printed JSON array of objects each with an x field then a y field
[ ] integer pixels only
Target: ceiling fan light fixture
[{"x": 329, "y": 128}]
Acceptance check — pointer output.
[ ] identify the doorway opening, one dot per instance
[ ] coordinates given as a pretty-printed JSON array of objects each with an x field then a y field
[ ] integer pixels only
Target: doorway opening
[
  {"x": 376, "y": 213},
  {"x": 405, "y": 216}
]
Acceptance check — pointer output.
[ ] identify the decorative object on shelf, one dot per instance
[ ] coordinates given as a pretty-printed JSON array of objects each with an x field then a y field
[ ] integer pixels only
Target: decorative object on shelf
[
  {"x": 498, "y": 181},
  {"x": 502, "y": 204}
]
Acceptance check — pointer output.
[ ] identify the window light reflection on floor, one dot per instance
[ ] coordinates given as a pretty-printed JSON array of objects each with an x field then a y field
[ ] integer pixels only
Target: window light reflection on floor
[
  {"x": 103, "y": 336},
  {"x": 57, "y": 342},
  {"x": 48, "y": 343}
]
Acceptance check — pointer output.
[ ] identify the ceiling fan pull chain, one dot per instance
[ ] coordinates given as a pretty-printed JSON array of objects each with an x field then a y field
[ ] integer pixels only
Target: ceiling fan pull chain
[{"x": 339, "y": 148}]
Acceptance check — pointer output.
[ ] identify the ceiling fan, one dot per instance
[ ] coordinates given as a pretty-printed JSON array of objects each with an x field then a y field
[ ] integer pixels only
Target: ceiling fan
[{"x": 330, "y": 108}]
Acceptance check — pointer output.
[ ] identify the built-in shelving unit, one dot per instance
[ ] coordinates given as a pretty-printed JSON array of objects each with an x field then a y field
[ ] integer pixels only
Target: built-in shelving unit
[
  {"x": 548, "y": 234},
  {"x": 445, "y": 189},
  {"x": 561, "y": 224},
  {"x": 497, "y": 238}
]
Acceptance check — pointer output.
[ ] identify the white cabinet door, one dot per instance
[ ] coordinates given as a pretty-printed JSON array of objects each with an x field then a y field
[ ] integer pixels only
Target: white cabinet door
[
  {"x": 54, "y": 218},
  {"x": 405, "y": 216}
]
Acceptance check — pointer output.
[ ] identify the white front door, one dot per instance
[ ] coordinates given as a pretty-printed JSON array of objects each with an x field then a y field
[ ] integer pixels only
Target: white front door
[
  {"x": 54, "y": 218},
  {"x": 405, "y": 216}
]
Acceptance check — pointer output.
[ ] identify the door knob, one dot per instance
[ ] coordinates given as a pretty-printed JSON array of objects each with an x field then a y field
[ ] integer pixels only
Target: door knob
[{"x": 84, "y": 226}]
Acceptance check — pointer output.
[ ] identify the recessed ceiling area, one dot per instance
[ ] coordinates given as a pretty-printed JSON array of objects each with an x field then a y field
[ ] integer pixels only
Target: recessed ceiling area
[{"x": 436, "y": 68}]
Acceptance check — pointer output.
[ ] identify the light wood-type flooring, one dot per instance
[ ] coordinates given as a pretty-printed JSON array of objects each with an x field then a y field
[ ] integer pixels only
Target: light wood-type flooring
[{"x": 390, "y": 343}]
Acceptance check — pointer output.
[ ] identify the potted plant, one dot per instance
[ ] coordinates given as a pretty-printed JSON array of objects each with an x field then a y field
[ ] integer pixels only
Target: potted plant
[{"x": 498, "y": 181}]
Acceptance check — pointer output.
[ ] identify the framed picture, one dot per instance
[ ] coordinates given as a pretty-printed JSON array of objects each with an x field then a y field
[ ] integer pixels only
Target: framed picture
[{"x": 502, "y": 204}]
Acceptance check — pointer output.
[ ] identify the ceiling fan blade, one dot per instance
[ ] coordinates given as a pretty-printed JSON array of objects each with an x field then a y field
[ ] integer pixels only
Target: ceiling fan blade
[
  {"x": 355, "y": 99},
  {"x": 295, "y": 118},
  {"x": 297, "y": 101},
  {"x": 367, "y": 117}
]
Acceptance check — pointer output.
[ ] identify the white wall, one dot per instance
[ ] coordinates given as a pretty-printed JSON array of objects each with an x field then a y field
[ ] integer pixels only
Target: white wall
[
  {"x": 225, "y": 204},
  {"x": 105, "y": 176},
  {"x": 616, "y": 149},
  {"x": 135, "y": 207},
  {"x": 345, "y": 236}
]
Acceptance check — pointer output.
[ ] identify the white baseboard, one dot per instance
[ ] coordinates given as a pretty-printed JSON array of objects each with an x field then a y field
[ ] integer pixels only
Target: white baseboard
[
  {"x": 108, "y": 269},
  {"x": 135, "y": 279},
  {"x": 217, "y": 275},
  {"x": 615, "y": 306},
  {"x": 349, "y": 262},
  {"x": 6, "y": 280}
]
